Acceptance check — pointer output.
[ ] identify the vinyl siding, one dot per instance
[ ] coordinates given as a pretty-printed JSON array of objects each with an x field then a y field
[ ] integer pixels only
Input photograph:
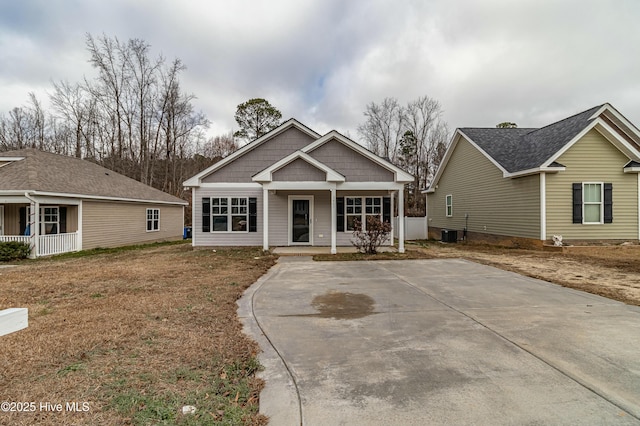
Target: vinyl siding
[
  {"x": 344, "y": 238},
  {"x": 279, "y": 217},
  {"x": 242, "y": 168},
  {"x": 212, "y": 239},
  {"x": 351, "y": 164},
  {"x": 593, "y": 159},
  {"x": 495, "y": 205},
  {"x": 112, "y": 224},
  {"x": 299, "y": 171}
]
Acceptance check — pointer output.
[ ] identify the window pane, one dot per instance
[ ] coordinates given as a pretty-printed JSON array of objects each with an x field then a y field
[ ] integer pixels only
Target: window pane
[
  {"x": 592, "y": 213},
  {"x": 592, "y": 193},
  {"x": 351, "y": 222},
  {"x": 215, "y": 201},
  {"x": 239, "y": 223},
  {"x": 219, "y": 223}
]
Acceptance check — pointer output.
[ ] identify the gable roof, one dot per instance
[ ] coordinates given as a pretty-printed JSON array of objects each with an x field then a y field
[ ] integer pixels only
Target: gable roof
[
  {"x": 44, "y": 172},
  {"x": 400, "y": 175},
  {"x": 292, "y": 122},
  {"x": 519, "y": 151},
  {"x": 266, "y": 175}
]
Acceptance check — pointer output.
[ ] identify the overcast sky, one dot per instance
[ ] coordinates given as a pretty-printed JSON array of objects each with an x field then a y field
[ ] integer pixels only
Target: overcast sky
[{"x": 528, "y": 61}]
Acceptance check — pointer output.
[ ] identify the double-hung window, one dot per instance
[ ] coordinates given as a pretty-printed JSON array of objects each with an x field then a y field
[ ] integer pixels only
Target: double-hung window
[
  {"x": 353, "y": 206},
  {"x": 50, "y": 217},
  {"x": 449, "y": 204},
  {"x": 230, "y": 214},
  {"x": 592, "y": 202},
  {"x": 354, "y": 210},
  {"x": 153, "y": 220}
]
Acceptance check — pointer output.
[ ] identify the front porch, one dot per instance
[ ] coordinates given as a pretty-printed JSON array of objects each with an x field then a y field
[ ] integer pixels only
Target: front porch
[
  {"x": 53, "y": 230},
  {"x": 311, "y": 251}
]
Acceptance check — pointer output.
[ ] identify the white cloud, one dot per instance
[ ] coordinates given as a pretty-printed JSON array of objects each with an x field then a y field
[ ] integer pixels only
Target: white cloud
[{"x": 531, "y": 62}]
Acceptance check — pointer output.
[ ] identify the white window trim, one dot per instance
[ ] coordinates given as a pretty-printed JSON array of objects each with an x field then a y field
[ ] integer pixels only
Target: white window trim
[
  {"x": 229, "y": 215},
  {"x": 153, "y": 210},
  {"x": 584, "y": 222},
  {"x": 448, "y": 203},
  {"x": 363, "y": 213}
]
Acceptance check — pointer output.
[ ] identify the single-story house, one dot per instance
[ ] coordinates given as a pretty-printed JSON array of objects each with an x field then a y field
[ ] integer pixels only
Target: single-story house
[
  {"x": 578, "y": 178},
  {"x": 295, "y": 187},
  {"x": 60, "y": 204}
]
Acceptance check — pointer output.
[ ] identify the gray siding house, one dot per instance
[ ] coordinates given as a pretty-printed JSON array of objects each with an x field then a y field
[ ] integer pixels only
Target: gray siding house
[
  {"x": 60, "y": 204},
  {"x": 578, "y": 177},
  {"x": 294, "y": 187}
]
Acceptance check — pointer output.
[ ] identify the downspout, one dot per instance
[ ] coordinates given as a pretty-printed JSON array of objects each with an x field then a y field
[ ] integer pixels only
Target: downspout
[{"x": 34, "y": 230}]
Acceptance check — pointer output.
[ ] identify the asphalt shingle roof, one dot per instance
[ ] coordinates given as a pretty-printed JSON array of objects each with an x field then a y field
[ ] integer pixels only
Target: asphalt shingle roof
[
  {"x": 518, "y": 149},
  {"x": 47, "y": 172}
]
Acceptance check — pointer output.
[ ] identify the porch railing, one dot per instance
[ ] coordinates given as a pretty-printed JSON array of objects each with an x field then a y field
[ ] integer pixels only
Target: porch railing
[
  {"x": 19, "y": 238},
  {"x": 57, "y": 243}
]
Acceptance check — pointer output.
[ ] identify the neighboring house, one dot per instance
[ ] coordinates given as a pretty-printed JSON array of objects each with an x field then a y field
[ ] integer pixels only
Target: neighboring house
[
  {"x": 80, "y": 205},
  {"x": 578, "y": 178},
  {"x": 294, "y": 187}
]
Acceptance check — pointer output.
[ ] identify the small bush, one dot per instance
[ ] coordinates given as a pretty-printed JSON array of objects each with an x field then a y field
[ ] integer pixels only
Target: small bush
[
  {"x": 14, "y": 250},
  {"x": 376, "y": 233}
]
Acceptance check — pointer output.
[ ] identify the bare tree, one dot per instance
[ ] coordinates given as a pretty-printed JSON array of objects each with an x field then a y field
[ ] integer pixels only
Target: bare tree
[
  {"x": 411, "y": 137},
  {"x": 383, "y": 128}
]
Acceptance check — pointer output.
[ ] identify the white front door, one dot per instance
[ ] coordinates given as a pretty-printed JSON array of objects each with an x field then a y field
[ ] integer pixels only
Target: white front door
[{"x": 301, "y": 220}]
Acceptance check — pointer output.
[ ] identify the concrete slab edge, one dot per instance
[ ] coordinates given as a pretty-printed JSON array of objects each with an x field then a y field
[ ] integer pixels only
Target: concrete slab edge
[{"x": 279, "y": 399}]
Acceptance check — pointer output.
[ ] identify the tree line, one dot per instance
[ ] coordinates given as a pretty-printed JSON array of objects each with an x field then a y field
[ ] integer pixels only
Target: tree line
[{"x": 133, "y": 117}]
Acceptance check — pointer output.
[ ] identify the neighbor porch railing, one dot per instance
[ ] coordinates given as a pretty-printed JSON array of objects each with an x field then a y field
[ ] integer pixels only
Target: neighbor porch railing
[
  {"x": 48, "y": 244},
  {"x": 57, "y": 243},
  {"x": 19, "y": 238}
]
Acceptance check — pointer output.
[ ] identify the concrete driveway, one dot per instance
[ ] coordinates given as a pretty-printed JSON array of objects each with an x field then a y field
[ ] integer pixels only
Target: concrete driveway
[{"x": 438, "y": 342}]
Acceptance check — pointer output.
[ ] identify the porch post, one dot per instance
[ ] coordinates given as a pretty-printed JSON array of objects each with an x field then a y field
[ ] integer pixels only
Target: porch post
[
  {"x": 35, "y": 227},
  {"x": 401, "y": 220},
  {"x": 334, "y": 221},
  {"x": 265, "y": 219},
  {"x": 79, "y": 232}
]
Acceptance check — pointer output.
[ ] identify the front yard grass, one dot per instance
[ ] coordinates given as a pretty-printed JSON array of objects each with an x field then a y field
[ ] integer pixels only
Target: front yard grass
[{"x": 136, "y": 333}]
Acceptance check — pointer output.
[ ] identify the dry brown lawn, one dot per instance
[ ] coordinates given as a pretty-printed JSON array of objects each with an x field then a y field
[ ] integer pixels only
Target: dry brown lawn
[
  {"x": 609, "y": 271},
  {"x": 137, "y": 334}
]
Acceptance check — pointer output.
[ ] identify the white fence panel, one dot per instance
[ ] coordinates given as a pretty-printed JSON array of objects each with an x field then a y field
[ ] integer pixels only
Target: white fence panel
[
  {"x": 57, "y": 243},
  {"x": 415, "y": 228}
]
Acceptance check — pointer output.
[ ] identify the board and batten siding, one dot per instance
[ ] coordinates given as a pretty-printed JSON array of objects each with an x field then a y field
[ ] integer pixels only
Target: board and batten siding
[
  {"x": 495, "y": 205},
  {"x": 212, "y": 239},
  {"x": 251, "y": 162},
  {"x": 592, "y": 159},
  {"x": 112, "y": 224}
]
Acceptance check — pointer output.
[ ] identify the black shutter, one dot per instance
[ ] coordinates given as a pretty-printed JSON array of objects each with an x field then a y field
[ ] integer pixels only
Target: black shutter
[
  {"x": 206, "y": 215},
  {"x": 253, "y": 215},
  {"x": 608, "y": 203},
  {"x": 386, "y": 209},
  {"x": 340, "y": 214},
  {"x": 23, "y": 220},
  {"x": 62, "y": 211},
  {"x": 577, "y": 203}
]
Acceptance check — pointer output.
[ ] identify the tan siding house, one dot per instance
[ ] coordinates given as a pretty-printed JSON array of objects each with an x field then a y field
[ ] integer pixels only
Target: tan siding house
[
  {"x": 294, "y": 187},
  {"x": 58, "y": 204},
  {"x": 577, "y": 178}
]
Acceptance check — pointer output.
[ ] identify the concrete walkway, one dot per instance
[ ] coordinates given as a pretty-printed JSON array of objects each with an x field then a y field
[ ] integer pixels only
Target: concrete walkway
[{"x": 440, "y": 341}]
